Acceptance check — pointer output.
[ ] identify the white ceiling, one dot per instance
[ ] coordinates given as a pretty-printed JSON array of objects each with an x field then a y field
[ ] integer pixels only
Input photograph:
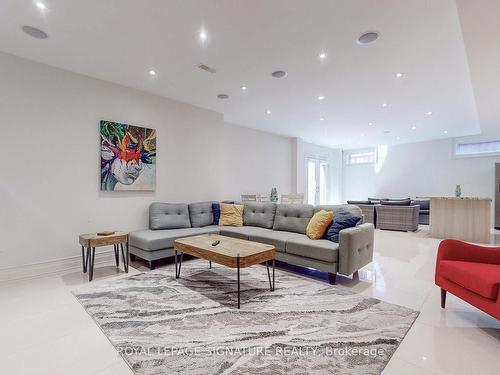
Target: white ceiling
[{"x": 121, "y": 40}]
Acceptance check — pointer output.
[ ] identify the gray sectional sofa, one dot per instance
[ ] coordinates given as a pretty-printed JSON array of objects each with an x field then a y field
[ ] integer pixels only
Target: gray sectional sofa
[{"x": 280, "y": 225}]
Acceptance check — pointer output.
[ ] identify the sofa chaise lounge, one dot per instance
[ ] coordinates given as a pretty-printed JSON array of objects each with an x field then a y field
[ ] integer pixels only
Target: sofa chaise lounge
[{"x": 281, "y": 225}]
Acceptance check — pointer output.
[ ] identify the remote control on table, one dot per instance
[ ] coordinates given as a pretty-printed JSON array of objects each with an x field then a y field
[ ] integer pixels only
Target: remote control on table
[{"x": 215, "y": 243}]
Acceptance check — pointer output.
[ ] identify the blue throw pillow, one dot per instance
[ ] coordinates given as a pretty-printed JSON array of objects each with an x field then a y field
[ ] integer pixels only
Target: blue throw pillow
[
  {"x": 341, "y": 220},
  {"x": 216, "y": 211}
]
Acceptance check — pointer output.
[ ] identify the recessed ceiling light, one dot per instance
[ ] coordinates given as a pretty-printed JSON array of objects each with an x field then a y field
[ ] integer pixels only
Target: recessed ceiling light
[
  {"x": 278, "y": 74},
  {"x": 243, "y": 87},
  {"x": 203, "y": 35},
  {"x": 223, "y": 96},
  {"x": 268, "y": 112},
  {"x": 429, "y": 113},
  {"x": 323, "y": 55},
  {"x": 321, "y": 119},
  {"x": 152, "y": 73},
  {"x": 387, "y": 131},
  {"x": 413, "y": 127},
  {"x": 445, "y": 132},
  {"x": 34, "y": 32},
  {"x": 321, "y": 97},
  {"x": 40, "y": 5},
  {"x": 368, "y": 37},
  {"x": 370, "y": 123},
  {"x": 399, "y": 75},
  {"x": 384, "y": 105}
]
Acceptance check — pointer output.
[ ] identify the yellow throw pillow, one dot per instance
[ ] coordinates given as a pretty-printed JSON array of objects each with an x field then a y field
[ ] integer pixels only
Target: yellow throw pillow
[
  {"x": 318, "y": 224},
  {"x": 231, "y": 214}
]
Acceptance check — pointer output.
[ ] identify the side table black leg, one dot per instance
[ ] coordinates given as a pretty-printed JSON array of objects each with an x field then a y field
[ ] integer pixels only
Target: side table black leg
[
  {"x": 84, "y": 260},
  {"x": 238, "y": 266},
  {"x": 117, "y": 255},
  {"x": 210, "y": 264},
  {"x": 92, "y": 259},
  {"x": 125, "y": 264}
]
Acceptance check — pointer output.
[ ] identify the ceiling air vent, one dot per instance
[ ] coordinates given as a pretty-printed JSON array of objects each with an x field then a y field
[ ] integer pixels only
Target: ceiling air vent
[{"x": 206, "y": 68}]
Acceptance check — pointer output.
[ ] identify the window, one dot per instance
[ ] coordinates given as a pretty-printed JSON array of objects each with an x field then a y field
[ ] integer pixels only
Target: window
[
  {"x": 361, "y": 157},
  {"x": 477, "y": 148}
]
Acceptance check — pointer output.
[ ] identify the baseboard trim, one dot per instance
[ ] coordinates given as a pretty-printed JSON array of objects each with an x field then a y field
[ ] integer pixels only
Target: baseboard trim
[{"x": 53, "y": 267}]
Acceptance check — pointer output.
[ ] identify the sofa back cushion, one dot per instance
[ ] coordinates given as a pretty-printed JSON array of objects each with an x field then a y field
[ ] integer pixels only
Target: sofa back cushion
[
  {"x": 168, "y": 216},
  {"x": 376, "y": 200},
  {"x": 336, "y": 208},
  {"x": 396, "y": 202},
  {"x": 293, "y": 217},
  {"x": 359, "y": 202},
  {"x": 259, "y": 214},
  {"x": 423, "y": 203},
  {"x": 201, "y": 214}
]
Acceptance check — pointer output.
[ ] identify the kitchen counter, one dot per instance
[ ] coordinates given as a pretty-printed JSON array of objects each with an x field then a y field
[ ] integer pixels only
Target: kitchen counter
[{"x": 464, "y": 218}]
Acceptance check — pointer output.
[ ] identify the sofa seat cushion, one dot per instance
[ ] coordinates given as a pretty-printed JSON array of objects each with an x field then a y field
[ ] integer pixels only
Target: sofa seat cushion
[
  {"x": 151, "y": 240},
  {"x": 480, "y": 278},
  {"x": 241, "y": 232},
  {"x": 324, "y": 250},
  {"x": 276, "y": 238}
]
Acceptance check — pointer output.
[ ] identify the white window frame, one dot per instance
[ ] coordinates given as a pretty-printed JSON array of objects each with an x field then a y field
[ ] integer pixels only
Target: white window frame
[
  {"x": 349, "y": 153},
  {"x": 459, "y": 141}
]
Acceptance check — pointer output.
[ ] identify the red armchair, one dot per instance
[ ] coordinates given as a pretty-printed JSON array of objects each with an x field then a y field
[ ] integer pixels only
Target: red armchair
[{"x": 471, "y": 273}]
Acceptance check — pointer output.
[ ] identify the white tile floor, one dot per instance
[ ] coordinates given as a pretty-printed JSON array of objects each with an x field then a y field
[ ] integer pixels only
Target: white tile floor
[{"x": 46, "y": 331}]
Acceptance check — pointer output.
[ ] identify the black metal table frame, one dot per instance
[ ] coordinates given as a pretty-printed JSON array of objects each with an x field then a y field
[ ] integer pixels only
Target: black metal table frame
[
  {"x": 178, "y": 265},
  {"x": 88, "y": 258}
]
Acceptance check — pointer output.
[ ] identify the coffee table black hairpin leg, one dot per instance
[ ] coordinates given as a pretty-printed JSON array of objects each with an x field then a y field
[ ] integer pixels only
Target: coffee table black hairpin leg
[
  {"x": 238, "y": 267},
  {"x": 271, "y": 285},
  {"x": 178, "y": 265}
]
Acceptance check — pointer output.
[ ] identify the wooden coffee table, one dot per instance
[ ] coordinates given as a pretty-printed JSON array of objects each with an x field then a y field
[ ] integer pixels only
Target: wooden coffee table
[
  {"x": 230, "y": 252},
  {"x": 90, "y": 241}
]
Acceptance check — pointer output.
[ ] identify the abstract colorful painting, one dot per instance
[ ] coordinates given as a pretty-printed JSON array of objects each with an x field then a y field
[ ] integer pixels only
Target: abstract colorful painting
[{"x": 128, "y": 157}]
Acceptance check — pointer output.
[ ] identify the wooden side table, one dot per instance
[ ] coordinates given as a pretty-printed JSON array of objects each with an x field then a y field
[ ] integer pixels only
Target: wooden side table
[{"x": 92, "y": 240}]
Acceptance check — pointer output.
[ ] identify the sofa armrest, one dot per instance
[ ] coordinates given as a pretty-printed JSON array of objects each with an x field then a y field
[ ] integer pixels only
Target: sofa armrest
[
  {"x": 355, "y": 248},
  {"x": 463, "y": 251}
]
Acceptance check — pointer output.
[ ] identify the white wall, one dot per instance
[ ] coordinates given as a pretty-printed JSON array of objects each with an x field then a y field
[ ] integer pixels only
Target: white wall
[
  {"x": 420, "y": 169},
  {"x": 304, "y": 150},
  {"x": 49, "y": 180}
]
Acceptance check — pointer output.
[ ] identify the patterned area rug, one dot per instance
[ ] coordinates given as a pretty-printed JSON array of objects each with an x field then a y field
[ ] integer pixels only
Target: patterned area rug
[{"x": 191, "y": 325}]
